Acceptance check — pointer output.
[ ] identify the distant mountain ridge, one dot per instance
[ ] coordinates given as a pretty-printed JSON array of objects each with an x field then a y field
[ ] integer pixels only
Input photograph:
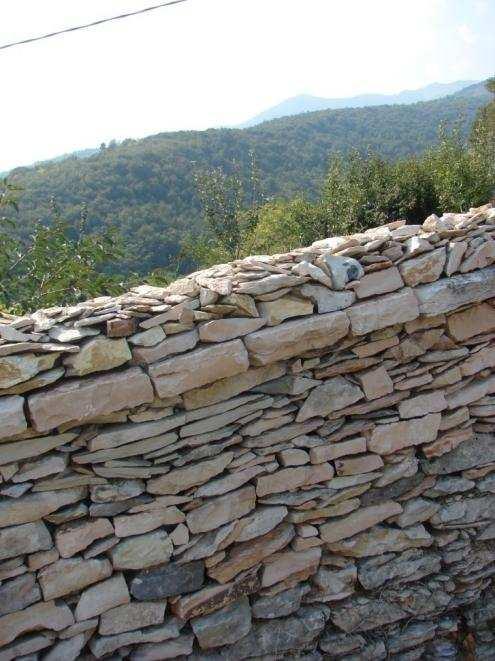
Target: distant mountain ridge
[{"x": 308, "y": 103}]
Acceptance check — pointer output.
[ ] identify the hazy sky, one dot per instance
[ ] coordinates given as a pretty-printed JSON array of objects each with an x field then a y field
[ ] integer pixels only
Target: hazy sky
[{"x": 209, "y": 63}]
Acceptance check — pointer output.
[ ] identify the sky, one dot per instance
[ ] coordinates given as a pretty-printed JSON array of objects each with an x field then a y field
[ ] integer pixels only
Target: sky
[{"x": 210, "y": 63}]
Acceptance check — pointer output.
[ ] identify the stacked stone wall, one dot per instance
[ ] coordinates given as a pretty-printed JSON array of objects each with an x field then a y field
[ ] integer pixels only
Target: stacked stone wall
[{"x": 288, "y": 456}]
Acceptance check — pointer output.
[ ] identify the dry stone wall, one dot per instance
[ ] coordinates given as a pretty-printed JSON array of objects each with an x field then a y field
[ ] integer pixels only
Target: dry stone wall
[{"x": 285, "y": 456}]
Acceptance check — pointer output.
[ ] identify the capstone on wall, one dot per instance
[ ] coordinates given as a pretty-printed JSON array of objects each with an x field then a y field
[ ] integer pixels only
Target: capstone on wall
[{"x": 285, "y": 456}]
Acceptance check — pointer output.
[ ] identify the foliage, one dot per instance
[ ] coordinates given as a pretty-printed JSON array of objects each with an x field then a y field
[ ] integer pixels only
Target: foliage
[
  {"x": 147, "y": 187},
  {"x": 59, "y": 264}
]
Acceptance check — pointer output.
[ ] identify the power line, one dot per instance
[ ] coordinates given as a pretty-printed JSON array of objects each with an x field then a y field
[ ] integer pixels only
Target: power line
[{"x": 90, "y": 25}]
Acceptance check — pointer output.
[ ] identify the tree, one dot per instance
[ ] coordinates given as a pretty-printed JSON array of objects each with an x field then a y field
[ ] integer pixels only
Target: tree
[{"x": 58, "y": 264}]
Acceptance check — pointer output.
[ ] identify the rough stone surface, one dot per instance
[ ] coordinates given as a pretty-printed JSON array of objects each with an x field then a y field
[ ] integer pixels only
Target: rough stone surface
[{"x": 385, "y": 311}]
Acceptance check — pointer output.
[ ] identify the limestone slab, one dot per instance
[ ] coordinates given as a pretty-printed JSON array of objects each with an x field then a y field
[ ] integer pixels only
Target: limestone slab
[
  {"x": 12, "y": 419},
  {"x": 397, "y": 435},
  {"x": 223, "y": 509},
  {"x": 384, "y": 311},
  {"x": 99, "y": 598},
  {"x": 334, "y": 394},
  {"x": 358, "y": 521},
  {"x": 449, "y": 294},
  {"x": 71, "y": 575},
  {"x": 98, "y": 355}
]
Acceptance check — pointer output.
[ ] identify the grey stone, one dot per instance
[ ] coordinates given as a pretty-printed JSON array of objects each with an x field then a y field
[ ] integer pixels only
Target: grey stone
[
  {"x": 168, "y": 580},
  {"x": 449, "y": 294},
  {"x": 334, "y": 394},
  {"x": 281, "y": 604},
  {"x": 225, "y": 626},
  {"x": 342, "y": 269},
  {"x": 142, "y": 551},
  {"x": 27, "y": 538},
  {"x": 472, "y": 453},
  {"x": 18, "y": 593},
  {"x": 410, "y": 566},
  {"x": 327, "y": 300},
  {"x": 366, "y": 614}
]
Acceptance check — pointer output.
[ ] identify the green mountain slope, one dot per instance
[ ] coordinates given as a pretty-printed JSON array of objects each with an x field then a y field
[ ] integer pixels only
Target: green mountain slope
[{"x": 146, "y": 187}]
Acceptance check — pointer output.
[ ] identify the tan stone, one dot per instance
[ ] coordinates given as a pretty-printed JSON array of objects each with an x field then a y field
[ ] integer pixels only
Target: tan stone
[
  {"x": 41, "y": 380},
  {"x": 334, "y": 394},
  {"x": 358, "y": 465},
  {"x": 447, "y": 442},
  {"x": 483, "y": 359},
  {"x": 274, "y": 312},
  {"x": 248, "y": 554},
  {"x": 483, "y": 256},
  {"x": 41, "y": 559},
  {"x": 372, "y": 348},
  {"x": 47, "y": 615},
  {"x": 454, "y": 419},
  {"x": 168, "y": 347},
  {"x": 339, "y": 509},
  {"x": 358, "y": 521},
  {"x": 386, "y": 439},
  {"x": 373, "y": 405},
  {"x": 322, "y": 453},
  {"x": 456, "y": 250},
  {"x": 98, "y": 355},
  {"x": 83, "y": 399},
  {"x": 19, "y": 368},
  {"x": 194, "y": 475},
  {"x": 129, "y": 617},
  {"x": 75, "y": 536},
  {"x": 420, "y": 405},
  {"x": 231, "y": 386},
  {"x": 230, "y": 482},
  {"x": 475, "y": 320},
  {"x": 272, "y": 344},
  {"x": 286, "y": 433},
  {"x": 379, "y": 282},
  {"x": 218, "y": 511},
  {"x": 99, "y": 598},
  {"x": 22, "y": 539},
  {"x": 269, "y": 284},
  {"x": 288, "y": 479},
  {"x": 174, "y": 376},
  {"x": 137, "y": 524},
  {"x": 385, "y": 311},
  {"x": 383, "y": 538},
  {"x": 426, "y": 268},
  {"x": 147, "y": 338},
  {"x": 293, "y": 457},
  {"x": 33, "y": 507},
  {"x": 12, "y": 420},
  {"x": 290, "y": 565},
  {"x": 471, "y": 392},
  {"x": 327, "y": 300},
  {"x": 19, "y": 450},
  {"x": 118, "y": 435},
  {"x": 142, "y": 551},
  {"x": 71, "y": 575},
  {"x": 375, "y": 383},
  {"x": 222, "y": 330}
]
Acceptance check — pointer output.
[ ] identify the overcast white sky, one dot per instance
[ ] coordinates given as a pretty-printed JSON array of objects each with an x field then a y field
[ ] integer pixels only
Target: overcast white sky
[{"x": 209, "y": 63}]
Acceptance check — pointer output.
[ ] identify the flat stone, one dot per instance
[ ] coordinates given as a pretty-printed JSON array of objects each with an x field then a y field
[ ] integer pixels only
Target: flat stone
[
  {"x": 284, "y": 434},
  {"x": 365, "y": 615},
  {"x": 290, "y": 565},
  {"x": 386, "y": 439},
  {"x": 179, "y": 343},
  {"x": 471, "y": 392},
  {"x": 223, "y": 330},
  {"x": 171, "y": 649},
  {"x": 269, "y": 284},
  {"x": 26, "y": 646},
  {"x": 380, "y": 539},
  {"x": 73, "y": 537},
  {"x": 99, "y": 598},
  {"x": 44, "y": 615},
  {"x": 147, "y": 338},
  {"x": 131, "y": 616},
  {"x": 358, "y": 521},
  {"x": 18, "y": 593},
  {"x": 19, "y": 368},
  {"x": 331, "y": 451},
  {"x": 483, "y": 256},
  {"x": 260, "y": 522},
  {"x": 167, "y": 581},
  {"x": 333, "y": 584},
  {"x": 274, "y": 312},
  {"x": 483, "y": 359},
  {"x": 12, "y": 418},
  {"x": 39, "y": 468},
  {"x": 475, "y": 320},
  {"x": 272, "y": 344},
  {"x": 116, "y": 491},
  {"x": 341, "y": 269},
  {"x": 426, "y": 268},
  {"x": 379, "y": 282},
  {"x": 372, "y": 348},
  {"x": 288, "y": 479},
  {"x": 455, "y": 253},
  {"x": 385, "y": 311},
  {"x": 218, "y": 511},
  {"x": 98, "y": 355},
  {"x": 21, "y": 539},
  {"x": 138, "y": 524},
  {"x": 420, "y": 405},
  {"x": 229, "y": 482},
  {"x": 194, "y": 475},
  {"x": 279, "y": 605},
  {"x": 293, "y": 457},
  {"x": 213, "y": 597},
  {"x": 334, "y": 394},
  {"x": 71, "y": 575},
  {"x": 375, "y": 383},
  {"x": 142, "y": 551},
  {"x": 327, "y": 300},
  {"x": 33, "y": 507},
  {"x": 223, "y": 627},
  {"x": 357, "y": 465},
  {"x": 19, "y": 450},
  {"x": 448, "y": 294},
  {"x": 83, "y": 399},
  {"x": 415, "y": 511},
  {"x": 231, "y": 386},
  {"x": 174, "y": 376},
  {"x": 41, "y": 380},
  {"x": 475, "y": 452},
  {"x": 247, "y": 554}
]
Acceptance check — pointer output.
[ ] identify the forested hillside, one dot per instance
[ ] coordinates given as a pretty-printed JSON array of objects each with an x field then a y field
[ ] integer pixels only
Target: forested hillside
[{"x": 146, "y": 187}]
